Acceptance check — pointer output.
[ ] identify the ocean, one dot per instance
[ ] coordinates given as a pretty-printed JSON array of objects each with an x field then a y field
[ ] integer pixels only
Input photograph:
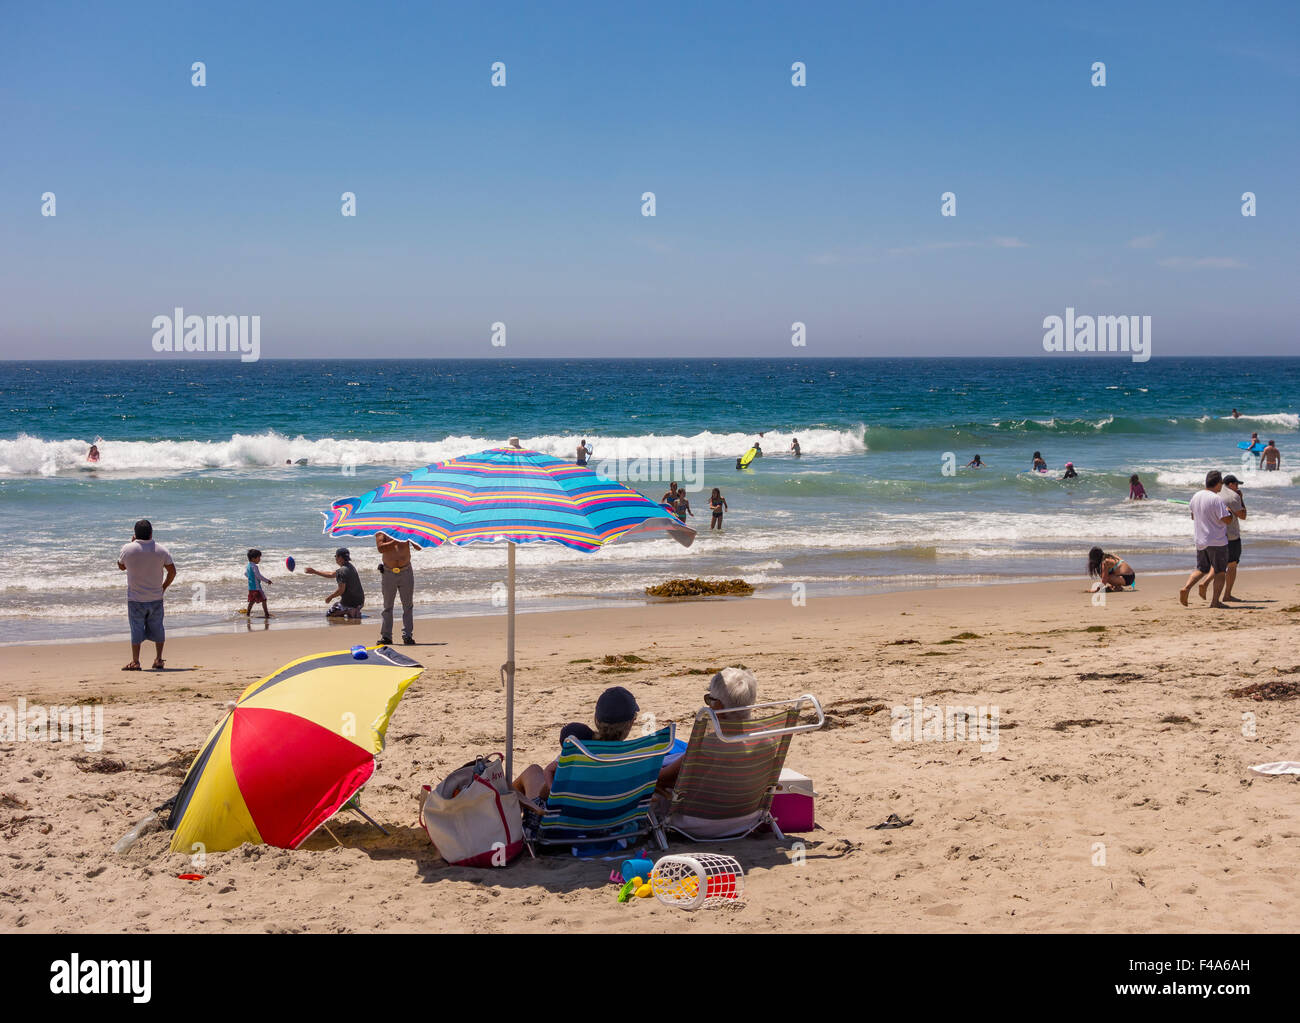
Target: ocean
[{"x": 879, "y": 499}]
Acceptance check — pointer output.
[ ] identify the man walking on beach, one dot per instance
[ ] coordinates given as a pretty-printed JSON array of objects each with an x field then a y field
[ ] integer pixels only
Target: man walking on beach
[
  {"x": 398, "y": 580},
  {"x": 1210, "y": 518},
  {"x": 1236, "y": 505},
  {"x": 149, "y": 571}
]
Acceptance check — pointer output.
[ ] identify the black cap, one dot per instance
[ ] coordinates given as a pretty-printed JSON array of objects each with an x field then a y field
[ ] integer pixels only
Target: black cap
[
  {"x": 343, "y": 553},
  {"x": 1231, "y": 479},
  {"x": 616, "y": 705}
]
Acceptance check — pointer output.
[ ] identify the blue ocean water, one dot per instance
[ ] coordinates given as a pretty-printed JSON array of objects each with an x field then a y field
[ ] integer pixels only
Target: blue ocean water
[{"x": 878, "y": 500}]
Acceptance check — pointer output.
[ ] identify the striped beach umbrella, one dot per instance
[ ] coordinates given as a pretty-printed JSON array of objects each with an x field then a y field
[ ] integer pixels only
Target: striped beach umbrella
[
  {"x": 297, "y": 746},
  {"x": 504, "y": 495}
]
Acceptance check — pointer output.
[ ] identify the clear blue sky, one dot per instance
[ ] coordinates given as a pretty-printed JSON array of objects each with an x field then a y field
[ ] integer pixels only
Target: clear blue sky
[{"x": 522, "y": 204}]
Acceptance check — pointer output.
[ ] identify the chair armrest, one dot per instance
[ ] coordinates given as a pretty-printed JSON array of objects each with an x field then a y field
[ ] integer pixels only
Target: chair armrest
[{"x": 712, "y": 716}]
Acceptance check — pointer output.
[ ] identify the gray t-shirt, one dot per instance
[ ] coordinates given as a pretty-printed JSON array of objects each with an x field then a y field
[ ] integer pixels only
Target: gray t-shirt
[
  {"x": 353, "y": 596},
  {"x": 144, "y": 561},
  {"x": 1235, "y": 504}
]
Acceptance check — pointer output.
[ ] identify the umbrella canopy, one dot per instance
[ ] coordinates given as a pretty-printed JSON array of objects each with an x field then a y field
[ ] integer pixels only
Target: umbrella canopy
[
  {"x": 509, "y": 495},
  {"x": 296, "y": 747},
  {"x": 503, "y": 494}
]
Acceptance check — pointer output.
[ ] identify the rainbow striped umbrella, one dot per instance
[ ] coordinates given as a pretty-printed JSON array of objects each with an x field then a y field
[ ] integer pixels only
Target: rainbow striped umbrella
[{"x": 504, "y": 495}]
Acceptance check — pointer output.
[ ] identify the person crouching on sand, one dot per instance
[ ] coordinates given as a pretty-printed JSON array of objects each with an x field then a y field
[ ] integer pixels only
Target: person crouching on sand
[
  {"x": 1114, "y": 572},
  {"x": 350, "y": 595},
  {"x": 1136, "y": 492}
]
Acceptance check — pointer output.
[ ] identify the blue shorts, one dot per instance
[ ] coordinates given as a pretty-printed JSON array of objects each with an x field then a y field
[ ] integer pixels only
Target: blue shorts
[{"x": 146, "y": 618}]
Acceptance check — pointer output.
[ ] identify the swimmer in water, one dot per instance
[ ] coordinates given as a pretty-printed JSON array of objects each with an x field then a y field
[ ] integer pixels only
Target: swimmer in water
[
  {"x": 93, "y": 454},
  {"x": 975, "y": 463},
  {"x": 794, "y": 447},
  {"x": 1136, "y": 491},
  {"x": 1070, "y": 474},
  {"x": 1040, "y": 465}
]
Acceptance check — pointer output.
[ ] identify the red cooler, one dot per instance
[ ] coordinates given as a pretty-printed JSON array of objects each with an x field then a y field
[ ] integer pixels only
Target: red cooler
[{"x": 792, "y": 804}]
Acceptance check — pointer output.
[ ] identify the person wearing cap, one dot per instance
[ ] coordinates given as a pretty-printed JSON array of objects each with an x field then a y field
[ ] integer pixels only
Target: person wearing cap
[
  {"x": 396, "y": 579},
  {"x": 351, "y": 597},
  {"x": 1210, "y": 518},
  {"x": 1070, "y": 474},
  {"x": 1236, "y": 503},
  {"x": 616, "y": 712}
]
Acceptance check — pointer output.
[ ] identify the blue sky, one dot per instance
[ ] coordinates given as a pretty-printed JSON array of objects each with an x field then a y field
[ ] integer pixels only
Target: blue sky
[{"x": 774, "y": 204}]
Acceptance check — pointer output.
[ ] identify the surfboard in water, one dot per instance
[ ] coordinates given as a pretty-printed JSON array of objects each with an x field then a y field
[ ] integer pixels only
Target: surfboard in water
[
  {"x": 1256, "y": 448},
  {"x": 748, "y": 457}
]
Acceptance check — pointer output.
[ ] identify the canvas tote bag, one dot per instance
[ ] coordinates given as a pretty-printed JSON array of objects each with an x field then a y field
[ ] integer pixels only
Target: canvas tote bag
[{"x": 473, "y": 817}]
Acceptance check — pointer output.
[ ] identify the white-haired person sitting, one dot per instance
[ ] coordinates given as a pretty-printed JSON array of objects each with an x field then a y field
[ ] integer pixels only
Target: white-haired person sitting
[{"x": 731, "y": 689}]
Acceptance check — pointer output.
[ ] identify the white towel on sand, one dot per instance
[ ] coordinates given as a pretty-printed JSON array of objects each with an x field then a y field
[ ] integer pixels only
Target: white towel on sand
[{"x": 1278, "y": 767}]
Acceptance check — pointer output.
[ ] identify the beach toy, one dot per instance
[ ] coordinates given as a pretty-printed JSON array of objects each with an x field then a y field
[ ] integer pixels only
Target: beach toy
[
  {"x": 636, "y": 868},
  {"x": 644, "y": 892},
  {"x": 705, "y": 879},
  {"x": 629, "y": 889},
  {"x": 189, "y": 877},
  {"x": 289, "y": 562},
  {"x": 359, "y": 652}
]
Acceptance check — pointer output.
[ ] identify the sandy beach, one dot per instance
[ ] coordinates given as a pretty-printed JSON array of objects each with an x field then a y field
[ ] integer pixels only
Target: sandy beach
[{"x": 1116, "y": 799}]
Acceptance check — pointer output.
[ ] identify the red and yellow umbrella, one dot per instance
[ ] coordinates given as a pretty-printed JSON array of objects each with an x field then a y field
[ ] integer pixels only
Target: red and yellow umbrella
[{"x": 296, "y": 747}]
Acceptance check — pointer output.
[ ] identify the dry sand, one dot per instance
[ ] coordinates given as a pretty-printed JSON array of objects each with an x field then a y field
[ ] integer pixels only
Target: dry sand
[{"x": 1115, "y": 731}]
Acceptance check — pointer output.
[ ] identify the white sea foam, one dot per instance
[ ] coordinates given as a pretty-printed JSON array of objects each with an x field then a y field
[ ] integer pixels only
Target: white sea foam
[
  {"x": 1286, "y": 420},
  {"x": 34, "y": 456}
]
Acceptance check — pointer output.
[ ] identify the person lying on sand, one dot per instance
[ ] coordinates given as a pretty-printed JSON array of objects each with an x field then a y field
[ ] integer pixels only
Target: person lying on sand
[
  {"x": 1113, "y": 571},
  {"x": 616, "y": 712}
]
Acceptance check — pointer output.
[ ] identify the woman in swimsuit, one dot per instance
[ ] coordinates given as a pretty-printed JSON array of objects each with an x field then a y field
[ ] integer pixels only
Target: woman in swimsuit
[
  {"x": 717, "y": 504},
  {"x": 1111, "y": 569},
  {"x": 1136, "y": 491},
  {"x": 1040, "y": 464}
]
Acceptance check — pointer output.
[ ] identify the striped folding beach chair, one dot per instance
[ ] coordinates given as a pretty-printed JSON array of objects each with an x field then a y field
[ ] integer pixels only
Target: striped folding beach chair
[
  {"x": 601, "y": 793},
  {"x": 731, "y": 766}
]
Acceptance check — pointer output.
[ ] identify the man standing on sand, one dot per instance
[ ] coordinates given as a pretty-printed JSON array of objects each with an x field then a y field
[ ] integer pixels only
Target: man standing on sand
[
  {"x": 1210, "y": 518},
  {"x": 1236, "y": 504},
  {"x": 149, "y": 571},
  {"x": 398, "y": 580}
]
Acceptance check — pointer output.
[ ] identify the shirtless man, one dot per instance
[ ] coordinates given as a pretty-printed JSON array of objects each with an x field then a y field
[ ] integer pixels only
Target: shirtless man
[
  {"x": 398, "y": 580},
  {"x": 1270, "y": 458}
]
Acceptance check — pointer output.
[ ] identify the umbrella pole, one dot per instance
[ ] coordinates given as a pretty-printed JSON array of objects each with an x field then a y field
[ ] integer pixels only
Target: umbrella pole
[{"x": 510, "y": 663}]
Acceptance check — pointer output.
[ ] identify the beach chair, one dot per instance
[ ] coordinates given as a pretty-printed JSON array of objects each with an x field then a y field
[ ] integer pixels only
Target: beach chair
[
  {"x": 601, "y": 793},
  {"x": 730, "y": 769}
]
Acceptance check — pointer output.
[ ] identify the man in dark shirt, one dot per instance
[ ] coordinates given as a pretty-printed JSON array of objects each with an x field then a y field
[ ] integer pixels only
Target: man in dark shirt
[{"x": 350, "y": 595}]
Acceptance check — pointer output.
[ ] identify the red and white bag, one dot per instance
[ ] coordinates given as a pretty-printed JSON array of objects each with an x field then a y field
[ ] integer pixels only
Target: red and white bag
[{"x": 473, "y": 817}]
